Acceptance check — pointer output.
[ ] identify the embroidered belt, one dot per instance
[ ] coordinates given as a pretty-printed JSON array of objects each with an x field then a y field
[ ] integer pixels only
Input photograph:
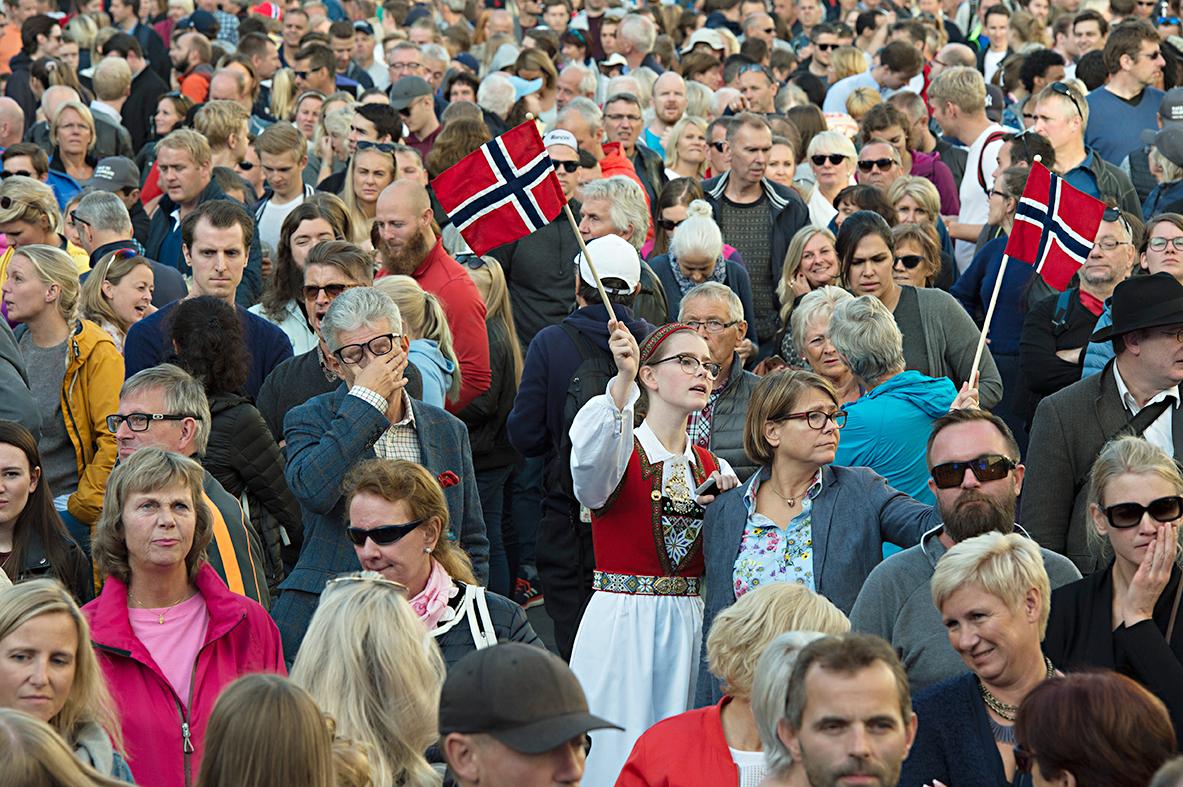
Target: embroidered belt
[{"x": 637, "y": 585}]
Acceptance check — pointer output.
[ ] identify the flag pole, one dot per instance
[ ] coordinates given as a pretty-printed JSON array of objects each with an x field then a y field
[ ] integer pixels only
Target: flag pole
[
  {"x": 989, "y": 316},
  {"x": 591, "y": 266}
]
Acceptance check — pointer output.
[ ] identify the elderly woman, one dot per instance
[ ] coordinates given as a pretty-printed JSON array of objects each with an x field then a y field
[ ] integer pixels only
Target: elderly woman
[
  {"x": 169, "y": 633},
  {"x": 941, "y": 337},
  {"x": 48, "y": 670},
  {"x": 1095, "y": 729},
  {"x": 729, "y": 746},
  {"x": 889, "y": 424},
  {"x": 370, "y": 665},
  {"x": 460, "y": 614},
  {"x": 72, "y": 134},
  {"x": 993, "y": 593},
  {"x": 801, "y": 518},
  {"x": 917, "y": 255},
  {"x": 811, "y": 333},
  {"x": 832, "y": 158},
  {"x": 686, "y": 149},
  {"x": 1124, "y": 618},
  {"x": 32, "y": 217},
  {"x": 696, "y": 255},
  {"x": 810, "y": 262}
]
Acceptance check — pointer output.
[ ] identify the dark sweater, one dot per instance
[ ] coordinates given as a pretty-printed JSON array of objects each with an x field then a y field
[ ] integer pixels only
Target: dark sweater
[
  {"x": 1044, "y": 371},
  {"x": 486, "y": 415}
]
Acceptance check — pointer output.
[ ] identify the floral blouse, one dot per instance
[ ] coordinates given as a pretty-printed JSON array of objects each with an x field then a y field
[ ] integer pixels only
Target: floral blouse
[{"x": 770, "y": 553}]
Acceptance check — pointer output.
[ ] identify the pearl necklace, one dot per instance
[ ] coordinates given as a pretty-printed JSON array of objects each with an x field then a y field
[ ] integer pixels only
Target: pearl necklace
[{"x": 1009, "y": 712}]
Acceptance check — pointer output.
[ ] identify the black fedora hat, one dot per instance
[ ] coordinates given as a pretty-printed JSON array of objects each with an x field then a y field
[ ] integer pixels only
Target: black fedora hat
[{"x": 1144, "y": 302}]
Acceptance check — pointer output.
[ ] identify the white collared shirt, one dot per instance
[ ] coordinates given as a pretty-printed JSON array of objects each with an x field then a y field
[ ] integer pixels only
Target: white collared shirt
[{"x": 1159, "y": 433}]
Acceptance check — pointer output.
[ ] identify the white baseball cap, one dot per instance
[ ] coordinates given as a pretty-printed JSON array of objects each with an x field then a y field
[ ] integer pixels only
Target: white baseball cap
[
  {"x": 560, "y": 137},
  {"x": 615, "y": 258}
]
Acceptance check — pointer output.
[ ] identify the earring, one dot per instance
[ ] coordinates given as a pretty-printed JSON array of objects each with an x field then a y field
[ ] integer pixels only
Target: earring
[{"x": 427, "y": 550}]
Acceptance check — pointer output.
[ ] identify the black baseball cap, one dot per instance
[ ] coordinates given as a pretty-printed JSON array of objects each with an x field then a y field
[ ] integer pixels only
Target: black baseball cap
[{"x": 523, "y": 696}]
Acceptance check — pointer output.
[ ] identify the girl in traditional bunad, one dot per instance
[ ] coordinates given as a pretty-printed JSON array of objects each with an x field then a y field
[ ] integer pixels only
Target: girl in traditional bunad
[{"x": 638, "y": 645}]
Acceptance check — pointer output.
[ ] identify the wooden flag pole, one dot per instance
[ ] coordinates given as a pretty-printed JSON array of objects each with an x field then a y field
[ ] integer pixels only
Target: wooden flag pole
[
  {"x": 989, "y": 316},
  {"x": 591, "y": 265}
]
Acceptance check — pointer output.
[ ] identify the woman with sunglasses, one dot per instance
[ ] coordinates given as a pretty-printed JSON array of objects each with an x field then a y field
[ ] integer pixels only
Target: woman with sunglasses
[
  {"x": 372, "y": 168},
  {"x": 168, "y": 633},
  {"x": 397, "y": 520},
  {"x": 832, "y": 157},
  {"x": 917, "y": 255},
  {"x": 673, "y": 206},
  {"x": 1126, "y": 616},
  {"x": 992, "y": 591},
  {"x": 118, "y": 293}
]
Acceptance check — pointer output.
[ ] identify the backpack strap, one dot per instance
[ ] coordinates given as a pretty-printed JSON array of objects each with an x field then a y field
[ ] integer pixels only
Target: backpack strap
[
  {"x": 587, "y": 351},
  {"x": 1060, "y": 317},
  {"x": 993, "y": 137}
]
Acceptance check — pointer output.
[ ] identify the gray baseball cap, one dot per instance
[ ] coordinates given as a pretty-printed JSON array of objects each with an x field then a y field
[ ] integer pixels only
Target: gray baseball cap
[
  {"x": 1169, "y": 142},
  {"x": 407, "y": 90},
  {"x": 1170, "y": 108},
  {"x": 114, "y": 173}
]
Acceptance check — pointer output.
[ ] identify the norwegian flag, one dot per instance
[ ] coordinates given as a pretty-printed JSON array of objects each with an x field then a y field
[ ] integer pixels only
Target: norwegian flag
[
  {"x": 1055, "y": 225},
  {"x": 502, "y": 191}
]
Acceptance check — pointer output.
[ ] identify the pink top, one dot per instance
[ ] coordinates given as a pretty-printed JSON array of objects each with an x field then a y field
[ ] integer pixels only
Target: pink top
[{"x": 174, "y": 643}]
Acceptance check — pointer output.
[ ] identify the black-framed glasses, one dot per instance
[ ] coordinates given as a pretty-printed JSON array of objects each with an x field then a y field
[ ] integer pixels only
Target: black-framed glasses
[
  {"x": 1024, "y": 760},
  {"x": 383, "y": 535},
  {"x": 76, "y": 219},
  {"x": 826, "y": 47},
  {"x": 139, "y": 422},
  {"x": 691, "y": 365},
  {"x": 909, "y": 261},
  {"x": 669, "y": 225},
  {"x": 566, "y": 166},
  {"x": 988, "y": 467},
  {"x": 1064, "y": 90},
  {"x": 884, "y": 164},
  {"x": 816, "y": 419},
  {"x": 997, "y": 193},
  {"x": 5, "y": 175},
  {"x": 1126, "y": 515},
  {"x": 719, "y": 146},
  {"x": 1157, "y": 244},
  {"x": 385, "y": 147},
  {"x": 712, "y": 326},
  {"x": 313, "y": 291},
  {"x": 834, "y": 158},
  {"x": 1109, "y": 244},
  {"x": 378, "y": 346}
]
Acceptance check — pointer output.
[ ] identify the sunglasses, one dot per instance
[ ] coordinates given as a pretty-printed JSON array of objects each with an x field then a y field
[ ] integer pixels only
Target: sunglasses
[
  {"x": 826, "y": 47},
  {"x": 385, "y": 147},
  {"x": 246, "y": 166},
  {"x": 312, "y": 292},
  {"x": 20, "y": 172},
  {"x": 989, "y": 467},
  {"x": 669, "y": 225},
  {"x": 1125, "y": 515},
  {"x": 7, "y": 203},
  {"x": 300, "y": 74},
  {"x": 1064, "y": 90},
  {"x": 383, "y": 535},
  {"x": 834, "y": 158},
  {"x": 369, "y": 576},
  {"x": 866, "y": 165},
  {"x": 76, "y": 219},
  {"x": 566, "y": 166},
  {"x": 719, "y": 146},
  {"x": 909, "y": 261}
]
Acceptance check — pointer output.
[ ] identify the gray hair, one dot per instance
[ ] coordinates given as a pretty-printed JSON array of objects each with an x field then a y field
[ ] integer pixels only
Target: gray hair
[
  {"x": 630, "y": 85},
  {"x": 495, "y": 94},
  {"x": 715, "y": 291},
  {"x": 815, "y": 306},
  {"x": 105, "y": 210},
  {"x": 356, "y": 308},
  {"x": 769, "y": 692},
  {"x": 435, "y": 52},
  {"x": 698, "y": 233},
  {"x": 629, "y": 208},
  {"x": 863, "y": 331},
  {"x": 183, "y": 395},
  {"x": 640, "y": 31},
  {"x": 587, "y": 78},
  {"x": 592, "y": 115}
]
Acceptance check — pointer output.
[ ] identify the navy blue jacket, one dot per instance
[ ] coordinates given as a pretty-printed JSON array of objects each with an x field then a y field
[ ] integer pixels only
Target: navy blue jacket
[{"x": 736, "y": 278}]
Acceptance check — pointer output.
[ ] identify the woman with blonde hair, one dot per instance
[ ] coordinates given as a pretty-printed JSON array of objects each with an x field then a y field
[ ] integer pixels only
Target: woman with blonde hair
[
  {"x": 369, "y": 664},
  {"x": 371, "y": 169},
  {"x": 34, "y": 754},
  {"x": 283, "y": 94},
  {"x": 832, "y": 158},
  {"x": 810, "y": 329},
  {"x": 426, "y": 325},
  {"x": 686, "y": 149},
  {"x": 811, "y": 262},
  {"x": 846, "y": 61},
  {"x": 72, "y": 134},
  {"x": 118, "y": 293},
  {"x": 729, "y": 745},
  {"x": 33, "y": 216},
  {"x": 75, "y": 371},
  {"x": 40, "y": 620},
  {"x": 330, "y": 142}
]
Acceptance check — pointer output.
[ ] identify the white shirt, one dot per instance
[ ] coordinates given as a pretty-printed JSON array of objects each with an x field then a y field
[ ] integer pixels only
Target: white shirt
[
  {"x": 992, "y": 61},
  {"x": 271, "y": 222},
  {"x": 975, "y": 203},
  {"x": 1158, "y": 433},
  {"x": 820, "y": 211},
  {"x": 107, "y": 110}
]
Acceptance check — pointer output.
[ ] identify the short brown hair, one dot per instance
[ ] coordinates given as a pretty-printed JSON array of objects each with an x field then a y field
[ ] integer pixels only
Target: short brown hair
[
  {"x": 217, "y": 120},
  {"x": 774, "y": 397},
  {"x": 902, "y": 58},
  {"x": 220, "y": 214},
  {"x": 36, "y": 155},
  {"x": 280, "y": 138},
  {"x": 1126, "y": 39},
  {"x": 847, "y": 654},
  {"x": 966, "y": 416},
  {"x": 344, "y": 256}
]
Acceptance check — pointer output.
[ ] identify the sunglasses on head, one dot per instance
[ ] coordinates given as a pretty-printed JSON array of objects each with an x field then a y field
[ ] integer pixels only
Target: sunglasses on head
[
  {"x": 1064, "y": 90},
  {"x": 989, "y": 467},
  {"x": 385, "y": 147},
  {"x": 1164, "y": 509},
  {"x": 566, "y": 166},
  {"x": 383, "y": 535},
  {"x": 909, "y": 261},
  {"x": 1167, "y": 20},
  {"x": 821, "y": 158},
  {"x": 6, "y": 202},
  {"x": 866, "y": 165}
]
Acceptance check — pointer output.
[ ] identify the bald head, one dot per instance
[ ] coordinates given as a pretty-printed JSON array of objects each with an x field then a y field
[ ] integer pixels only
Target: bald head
[
  {"x": 957, "y": 55},
  {"x": 403, "y": 225},
  {"x": 408, "y": 193},
  {"x": 55, "y": 96},
  {"x": 12, "y": 122},
  {"x": 669, "y": 98}
]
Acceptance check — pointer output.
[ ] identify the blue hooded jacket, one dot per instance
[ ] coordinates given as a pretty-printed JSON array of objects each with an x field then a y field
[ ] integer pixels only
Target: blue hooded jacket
[
  {"x": 887, "y": 430},
  {"x": 436, "y": 370}
]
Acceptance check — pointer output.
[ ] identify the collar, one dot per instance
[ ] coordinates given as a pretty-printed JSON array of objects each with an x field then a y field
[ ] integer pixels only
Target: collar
[
  {"x": 765, "y": 474},
  {"x": 1127, "y": 399},
  {"x": 107, "y": 248},
  {"x": 658, "y": 453},
  {"x": 1094, "y": 305},
  {"x": 436, "y": 255}
]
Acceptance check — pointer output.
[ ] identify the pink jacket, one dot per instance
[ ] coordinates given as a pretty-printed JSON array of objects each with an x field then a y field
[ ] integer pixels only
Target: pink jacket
[{"x": 164, "y": 743}]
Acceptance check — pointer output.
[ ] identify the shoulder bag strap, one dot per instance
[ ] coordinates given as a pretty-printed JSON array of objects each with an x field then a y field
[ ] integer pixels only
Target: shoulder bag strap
[{"x": 1175, "y": 611}]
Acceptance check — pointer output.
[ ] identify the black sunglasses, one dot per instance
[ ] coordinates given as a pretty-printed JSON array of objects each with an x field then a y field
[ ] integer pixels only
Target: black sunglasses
[
  {"x": 909, "y": 261},
  {"x": 20, "y": 172},
  {"x": 833, "y": 158},
  {"x": 7, "y": 202},
  {"x": 385, "y": 147},
  {"x": 74, "y": 217},
  {"x": 826, "y": 47},
  {"x": 300, "y": 74},
  {"x": 1064, "y": 90},
  {"x": 866, "y": 165},
  {"x": 312, "y": 291},
  {"x": 719, "y": 146},
  {"x": 669, "y": 225},
  {"x": 1125, "y": 515},
  {"x": 989, "y": 467},
  {"x": 382, "y": 535},
  {"x": 246, "y": 166},
  {"x": 566, "y": 166}
]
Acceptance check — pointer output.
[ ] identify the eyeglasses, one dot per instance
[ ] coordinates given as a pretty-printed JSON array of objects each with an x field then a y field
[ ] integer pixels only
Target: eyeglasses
[
  {"x": 988, "y": 467},
  {"x": 719, "y": 146},
  {"x": 139, "y": 422},
  {"x": 566, "y": 166},
  {"x": 76, "y": 219},
  {"x": 1157, "y": 244},
  {"x": 997, "y": 193},
  {"x": 1064, "y": 90},
  {"x": 834, "y": 158},
  {"x": 385, "y": 147},
  {"x": 378, "y": 346},
  {"x": 826, "y": 47},
  {"x": 369, "y": 576},
  {"x": 1125, "y": 515},
  {"x": 669, "y": 225},
  {"x": 909, "y": 261},
  {"x": 313, "y": 291},
  {"x": 712, "y": 326},
  {"x": 816, "y": 419},
  {"x": 20, "y": 172},
  {"x": 1109, "y": 244},
  {"x": 884, "y": 164},
  {"x": 691, "y": 365},
  {"x": 616, "y": 118},
  {"x": 1024, "y": 760},
  {"x": 383, "y": 535}
]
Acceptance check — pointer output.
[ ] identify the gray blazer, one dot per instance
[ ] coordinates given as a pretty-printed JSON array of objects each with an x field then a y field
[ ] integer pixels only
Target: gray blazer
[
  {"x": 17, "y": 403},
  {"x": 853, "y": 515}
]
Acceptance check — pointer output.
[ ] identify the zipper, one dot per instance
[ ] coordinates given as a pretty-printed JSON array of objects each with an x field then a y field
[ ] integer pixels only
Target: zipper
[{"x": 187, "y": 747}]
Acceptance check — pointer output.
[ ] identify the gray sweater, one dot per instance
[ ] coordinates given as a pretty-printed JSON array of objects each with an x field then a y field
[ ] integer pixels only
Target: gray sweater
[{"x": 895, "y": 603}]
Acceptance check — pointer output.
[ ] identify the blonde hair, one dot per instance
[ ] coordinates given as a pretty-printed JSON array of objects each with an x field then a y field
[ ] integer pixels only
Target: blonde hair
[
  {"x": 490, "y": 280},
  {"x": 283, "y": 94},
  {"x": 792, "y": 263},
  {"x": 847, "y": 61},
  {"x": 112, "y": 268},
  {"x": 925, "y": 236},
  {"x": 32, "y": 201},
  {"x": 34, "y": 755},
  {"x": 217, "y": 120},
  {"x": 361, "y": 222},
  {"x": 112, "y": 79},
  {"x": 742, "y": 631},
  {"x": 919, "y": 189},
  {"x": 675, "y": 136},
  {"x": 423, "y": 318},
  {"x": 1005, "y": 566},
  {"x": 1127, "y": 455},
  {"x": 369, "y": 663},
  {"x": 83, "y": 112},
  {"x": 88, "y": 702},
  {"x": 961, "y": 86},
  {"x": 191, "y": 142},
  {"x": 54, "y": 267},
  {"x": 860, "y": 101}
]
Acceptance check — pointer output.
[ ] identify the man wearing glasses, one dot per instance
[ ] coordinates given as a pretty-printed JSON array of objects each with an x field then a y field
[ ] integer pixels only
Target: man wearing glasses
[
  {"x": 1128, "y": 102},
  {"x": 314, "y": 66},
  {"x": 976, "y": 476},
  {"x": 879, "y": 165}
]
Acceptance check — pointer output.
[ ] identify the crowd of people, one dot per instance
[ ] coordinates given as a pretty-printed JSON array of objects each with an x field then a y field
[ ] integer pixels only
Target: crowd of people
[{"x": 763, "y": 463}]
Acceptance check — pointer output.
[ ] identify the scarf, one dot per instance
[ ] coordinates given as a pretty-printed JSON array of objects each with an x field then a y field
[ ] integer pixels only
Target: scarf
[
  {"x": 719, "y": 274},
  {"x": 431, "y": 605}
]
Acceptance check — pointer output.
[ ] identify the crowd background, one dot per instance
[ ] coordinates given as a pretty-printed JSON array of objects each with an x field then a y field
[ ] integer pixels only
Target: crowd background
[{"x": 297, "y": 489}]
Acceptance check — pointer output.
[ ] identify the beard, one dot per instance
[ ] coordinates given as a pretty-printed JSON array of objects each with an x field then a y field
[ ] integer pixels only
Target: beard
[
  {"x": 974, "y": 514},
  {"x": 404, "y": 258},
  {"x": 825, "y": 775}
]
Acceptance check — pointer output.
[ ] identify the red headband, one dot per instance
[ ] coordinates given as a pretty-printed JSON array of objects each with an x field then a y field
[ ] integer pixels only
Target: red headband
[{"x": 654, "y": 340}]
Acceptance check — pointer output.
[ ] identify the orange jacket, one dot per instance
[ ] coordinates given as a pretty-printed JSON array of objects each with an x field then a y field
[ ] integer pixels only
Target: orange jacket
[{"x": 90, "y": 392}]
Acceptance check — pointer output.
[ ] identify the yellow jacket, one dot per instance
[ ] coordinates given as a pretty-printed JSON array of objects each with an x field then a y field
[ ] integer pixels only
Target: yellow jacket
[
  {"x": 78, "y": 254},
  {"x": 90, "y": 392}
]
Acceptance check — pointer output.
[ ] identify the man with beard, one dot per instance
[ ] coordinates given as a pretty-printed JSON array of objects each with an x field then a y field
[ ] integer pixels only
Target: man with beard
[
  {"x": 407, "y": 245},
  {"x": 976, "y": 477}
]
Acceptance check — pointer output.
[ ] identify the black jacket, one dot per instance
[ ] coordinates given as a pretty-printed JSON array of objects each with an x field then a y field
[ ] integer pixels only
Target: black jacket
[
  {"x": 1047, "y": 329},
  {"x": 486, "y": 415},
  {"x": 155, "y": 51},
  {"x": 110, "y": 139},
  {"x": 75, "y": 574},
  {"x": 651, "y": 170},
  {"x": 146, "y": 89},
  {"x": 19, "y": 89}
]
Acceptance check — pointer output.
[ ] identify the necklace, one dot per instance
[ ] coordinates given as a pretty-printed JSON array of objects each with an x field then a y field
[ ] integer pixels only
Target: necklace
[
  {"x": 164, "y": 609},
  {"x": 791, "y": 502},
  {"x": 1008, "y": 712}
]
